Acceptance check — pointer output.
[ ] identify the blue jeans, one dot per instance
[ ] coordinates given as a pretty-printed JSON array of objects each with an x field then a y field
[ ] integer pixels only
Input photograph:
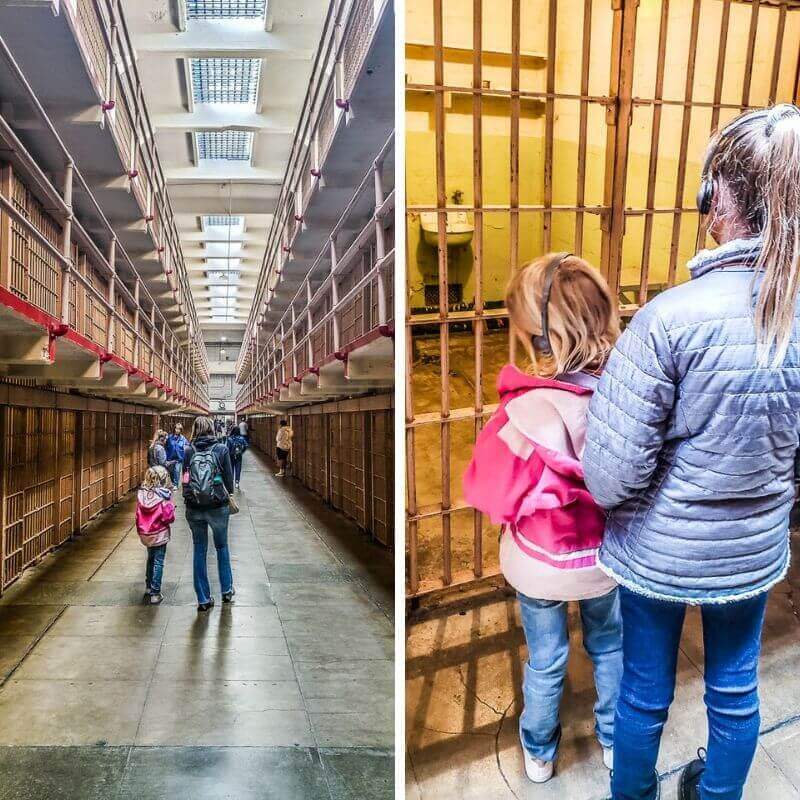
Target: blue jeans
[
  {"x": 155, "y": 567},
  {"x": 237, "y": 468},
  {"x": 545, "y": 625},
  {"x": 199, "y": 520},
  {"x": 732, "y": 644},
  {"x": 175, "y": 473}
]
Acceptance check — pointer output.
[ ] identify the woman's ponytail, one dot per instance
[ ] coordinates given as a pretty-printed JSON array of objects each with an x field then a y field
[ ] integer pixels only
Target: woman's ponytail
[{"x": 779, "y": 262}]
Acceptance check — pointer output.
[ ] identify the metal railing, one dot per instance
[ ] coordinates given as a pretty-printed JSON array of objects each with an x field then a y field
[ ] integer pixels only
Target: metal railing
[
  {"x": 352, "y": 301},
  {"x": 348, "y": 30},
  {"x": 55, "y": 266},
  {"x": 103, "y": 34}
]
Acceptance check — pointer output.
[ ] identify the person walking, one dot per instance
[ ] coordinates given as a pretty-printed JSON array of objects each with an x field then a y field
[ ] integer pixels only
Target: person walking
[
  {"x": 157, "y": 453},
  {"x": 237, "y": 444},
  {"x": 175, "y": 447},
  {"x": 207, "y": 485},
  {"x": 155, "y": 512},
  {"x": 692, "y": 442},
  {"x": 244, "y": 429},
  {"x": 283, "y": 446}
]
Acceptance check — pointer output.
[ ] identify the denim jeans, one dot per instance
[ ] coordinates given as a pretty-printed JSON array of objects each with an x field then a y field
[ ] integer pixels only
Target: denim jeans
[
  {"x": 545, "y": 625},
  {"x": 732, "y": 644},
  {"x": 175, "y": 473},
  {"x": 199, "y": 520},
  {"x": 155, "y": 567},
  {"x": 237, "y": 468}
]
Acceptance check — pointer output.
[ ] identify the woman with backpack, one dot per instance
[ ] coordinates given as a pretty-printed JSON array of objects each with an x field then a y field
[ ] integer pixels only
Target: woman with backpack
[
  {"x": 207, "y": 485},
  {"x": 691, "y": 446},
  {"x": 237, "y": 444}
]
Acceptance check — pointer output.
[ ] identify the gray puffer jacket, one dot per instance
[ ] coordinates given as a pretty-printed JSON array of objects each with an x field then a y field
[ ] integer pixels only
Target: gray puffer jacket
[{"x": 692, "y": 447}]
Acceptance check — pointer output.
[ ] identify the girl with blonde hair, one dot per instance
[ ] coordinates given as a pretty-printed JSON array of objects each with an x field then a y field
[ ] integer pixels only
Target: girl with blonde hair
[
  {"x": 155, "y": 512},
  {"x": 526, "y": 475},
  {"x": 691, "y": 446}
]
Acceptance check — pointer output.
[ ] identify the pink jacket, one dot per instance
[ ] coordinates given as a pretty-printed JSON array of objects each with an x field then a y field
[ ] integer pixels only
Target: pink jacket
[
  {"x": 155, "y": 512},
  {"x": 526, "y": 475}
]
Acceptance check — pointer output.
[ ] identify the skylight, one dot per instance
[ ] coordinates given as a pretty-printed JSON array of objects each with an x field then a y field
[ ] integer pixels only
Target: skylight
[
  {"x": 223, "y": 277},
  {"x": 227, "y": 145},
  {"x": 224, "y": 9},
  {"x": 223, "y": 221},
  {"x": 222, "y": 290},
  {"x": 225, "y": 80},
  {"x": 223, "y": 249}
]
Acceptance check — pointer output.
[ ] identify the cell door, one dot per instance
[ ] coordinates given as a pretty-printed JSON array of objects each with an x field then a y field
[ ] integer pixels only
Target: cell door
[{"x": 547, "y": 125}]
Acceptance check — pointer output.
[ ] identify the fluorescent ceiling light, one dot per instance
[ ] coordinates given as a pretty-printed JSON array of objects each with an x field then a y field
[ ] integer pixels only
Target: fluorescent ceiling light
[
  {"x": 224, "y": 9},
  {"x": 225, "y": 80},
  {"x": 224, "y": 146}
]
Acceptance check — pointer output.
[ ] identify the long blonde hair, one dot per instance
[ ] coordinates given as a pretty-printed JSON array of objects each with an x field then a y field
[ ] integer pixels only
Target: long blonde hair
[
  {"x": 156, "y": 478},
  {"x": 583, "y": 319},
  {"x": 755, "y": 167}
]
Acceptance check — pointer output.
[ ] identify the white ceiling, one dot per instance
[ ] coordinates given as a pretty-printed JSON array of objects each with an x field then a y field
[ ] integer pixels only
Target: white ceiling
[{"x": 166, "y": 39}]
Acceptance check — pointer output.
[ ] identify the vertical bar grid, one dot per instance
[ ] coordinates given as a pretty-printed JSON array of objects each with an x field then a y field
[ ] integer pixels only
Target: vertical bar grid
[{"x": 510, "y": 79}]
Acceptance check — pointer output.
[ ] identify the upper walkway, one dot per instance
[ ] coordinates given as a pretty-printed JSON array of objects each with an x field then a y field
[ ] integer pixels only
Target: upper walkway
[{"x": 285, "y": 694}]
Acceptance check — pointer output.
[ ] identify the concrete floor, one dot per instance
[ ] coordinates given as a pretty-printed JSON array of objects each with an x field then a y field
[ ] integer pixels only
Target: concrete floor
[
  {"x": 285, "y": 695},
  {"x": 464, "y": 671}
]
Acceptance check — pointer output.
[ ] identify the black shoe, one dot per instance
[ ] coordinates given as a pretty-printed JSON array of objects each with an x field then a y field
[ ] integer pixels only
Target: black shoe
[
  {"x": 689, "y": 784},
  {"x": 227, "y": 597},
  {"x": 206, "y": 606}
]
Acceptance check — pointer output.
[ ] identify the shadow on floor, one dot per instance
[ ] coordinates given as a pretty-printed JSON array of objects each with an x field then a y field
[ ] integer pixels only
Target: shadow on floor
[{"x": 463, "y": 700}]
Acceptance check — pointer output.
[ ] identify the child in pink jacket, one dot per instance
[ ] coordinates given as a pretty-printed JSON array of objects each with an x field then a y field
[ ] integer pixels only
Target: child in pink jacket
[
  {"x": 155, "y": 512},
  {"x": 526, "y": 475}
]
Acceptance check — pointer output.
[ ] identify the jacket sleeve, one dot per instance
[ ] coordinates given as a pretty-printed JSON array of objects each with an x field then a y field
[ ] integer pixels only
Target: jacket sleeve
[
  {"x": 187, "y": 457},
  {"x": 227, "y": 469},
  {"x": 498, "y": 479},
  {"x": 629, "y": 413}
]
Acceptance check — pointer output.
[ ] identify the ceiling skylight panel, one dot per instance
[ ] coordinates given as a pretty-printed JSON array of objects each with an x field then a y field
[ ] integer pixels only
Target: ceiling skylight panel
[
  {"x": 225, "y": 80},
  {"x": 225, "y": 9},
  {"x": 225, "y": 145},
  {"x": 223, "y": 221}
]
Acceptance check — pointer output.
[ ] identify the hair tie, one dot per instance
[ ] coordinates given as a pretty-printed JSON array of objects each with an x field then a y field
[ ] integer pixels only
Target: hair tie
[{"x": 774, "y": 118}]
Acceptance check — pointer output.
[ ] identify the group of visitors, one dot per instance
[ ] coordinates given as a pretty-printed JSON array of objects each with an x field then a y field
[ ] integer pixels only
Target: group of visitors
[
  {"x": 208, "y": 469},
  {"x": 643, "y": 473}
]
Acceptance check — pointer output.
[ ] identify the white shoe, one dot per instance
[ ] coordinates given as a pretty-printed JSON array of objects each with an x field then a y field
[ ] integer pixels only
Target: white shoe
[
  {"x": 608, "y": 757},
  {"x": 279, "y": 474},
  {"x": 538, "y": 771}
]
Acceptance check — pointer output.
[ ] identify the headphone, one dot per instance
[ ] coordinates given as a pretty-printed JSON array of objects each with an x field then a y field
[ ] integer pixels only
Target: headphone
[
  {"x": 541, "y": 343},
  {"x": 705, "y": 194}
]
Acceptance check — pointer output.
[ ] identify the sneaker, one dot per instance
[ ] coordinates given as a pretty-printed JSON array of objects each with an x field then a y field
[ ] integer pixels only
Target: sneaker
[
  {"x": 608, "y": 757},
  {"x": 206, "y": 606},
  {"x": 227, "y": 597},
  {"x": 538, "y": 771},
  {"x": 279, "y": 474},
  {"x": 237, "y": 487},
  {"x": 689, "y": 784},
  {"x": 155, "y": 598}
]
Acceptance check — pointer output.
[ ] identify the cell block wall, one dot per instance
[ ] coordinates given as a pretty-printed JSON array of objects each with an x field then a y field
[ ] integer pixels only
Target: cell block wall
[
  {"x": 537, "y": 126},
  {"x": 61, "y": 468},
  {"x": 346, "y": 457}
]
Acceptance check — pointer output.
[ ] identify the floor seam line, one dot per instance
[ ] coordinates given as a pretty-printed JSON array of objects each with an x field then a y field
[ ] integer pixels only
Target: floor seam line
[{"x": 33, "y": 645}]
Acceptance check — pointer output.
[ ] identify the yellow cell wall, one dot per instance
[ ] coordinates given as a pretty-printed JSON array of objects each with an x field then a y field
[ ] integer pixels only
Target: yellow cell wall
[{"x": 421, "y": 150}]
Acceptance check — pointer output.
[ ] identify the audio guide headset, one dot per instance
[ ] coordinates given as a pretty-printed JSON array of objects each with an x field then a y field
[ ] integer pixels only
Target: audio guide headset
[
  {"x": 541, "y": 343},
  {"x": 705, "y": 194}
]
